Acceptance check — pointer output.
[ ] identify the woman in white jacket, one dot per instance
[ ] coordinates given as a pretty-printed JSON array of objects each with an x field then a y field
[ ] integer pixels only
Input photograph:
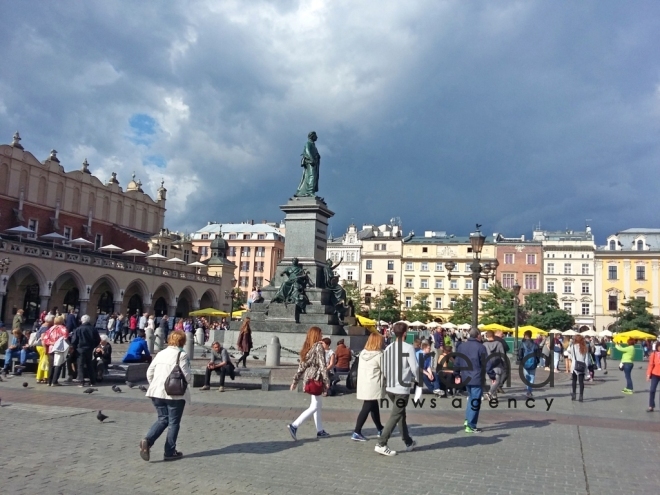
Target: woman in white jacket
[
  {"x": 370, "y": 385},
  {"x": 169, "y": 408}
]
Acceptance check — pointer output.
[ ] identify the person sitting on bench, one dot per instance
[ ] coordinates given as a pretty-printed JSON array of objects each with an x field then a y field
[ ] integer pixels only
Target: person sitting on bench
[
  {"x": 221, "y": 364},
  {"x": 138, "y": 351},
  {"x": 103, "y": 356},
  {"x": 17, "y": 343}
]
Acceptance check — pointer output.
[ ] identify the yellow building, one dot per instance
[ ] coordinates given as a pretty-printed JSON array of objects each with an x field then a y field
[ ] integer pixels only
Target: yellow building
[
  {"x": 627, "y": 267},
  {"x": 423, "y": 271},
  {"x": 380, "y": 260}
]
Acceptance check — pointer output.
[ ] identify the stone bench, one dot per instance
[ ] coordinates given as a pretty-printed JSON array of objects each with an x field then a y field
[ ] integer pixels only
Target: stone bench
[
  {"x": 264, "y": 373},
  {"x": 15, "y": 362},
  {"x": 127, "y": 372}
]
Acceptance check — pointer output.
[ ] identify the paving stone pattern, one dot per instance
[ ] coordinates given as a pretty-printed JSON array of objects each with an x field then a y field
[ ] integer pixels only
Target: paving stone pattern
[{"x": 236, "y": 442}]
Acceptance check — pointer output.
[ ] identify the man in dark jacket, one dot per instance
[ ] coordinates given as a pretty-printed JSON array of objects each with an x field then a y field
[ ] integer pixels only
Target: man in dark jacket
[
  {"x": 70, "y": 321},
  {"x": 84, "y": 340},
  {"x": 164, "y": 327},
  {"x": 468, "y": 370}
]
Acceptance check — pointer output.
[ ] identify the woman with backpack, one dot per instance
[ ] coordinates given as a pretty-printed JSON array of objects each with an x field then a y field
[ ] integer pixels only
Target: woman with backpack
[
  {"x": 313, "y": 371},
  {"x": 370, "y": 385},
  {"x": 578, "y": 353},
  {"x": 528, "y": 355}
]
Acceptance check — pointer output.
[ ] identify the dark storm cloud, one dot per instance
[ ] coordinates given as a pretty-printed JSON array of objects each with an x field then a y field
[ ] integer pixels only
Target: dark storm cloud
[{"x": 442, "y": 113}]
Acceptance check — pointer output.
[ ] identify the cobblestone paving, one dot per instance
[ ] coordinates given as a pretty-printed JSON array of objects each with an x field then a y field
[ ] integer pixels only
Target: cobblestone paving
[{"x": 236, "y": 442}]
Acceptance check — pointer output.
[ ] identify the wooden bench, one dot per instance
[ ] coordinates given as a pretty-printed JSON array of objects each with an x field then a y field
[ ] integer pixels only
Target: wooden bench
[
  {"x": 127, "y": 372},
  {"x": 264, "y": 373}
]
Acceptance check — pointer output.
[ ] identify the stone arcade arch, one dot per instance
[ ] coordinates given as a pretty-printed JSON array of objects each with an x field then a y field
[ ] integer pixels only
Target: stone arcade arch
[
  {"x": 24, "y": 290},
  {"x": 209, "y": 300},
  {"x": 103, "y": 295},
  {"x": 66, "y": 291},
  {"x": 185, "y": 302},
  {"x": 135, "y": 296}
]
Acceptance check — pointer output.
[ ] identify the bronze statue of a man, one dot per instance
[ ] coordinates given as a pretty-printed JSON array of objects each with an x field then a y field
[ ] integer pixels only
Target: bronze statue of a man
[{"x": 311, "y": 163}]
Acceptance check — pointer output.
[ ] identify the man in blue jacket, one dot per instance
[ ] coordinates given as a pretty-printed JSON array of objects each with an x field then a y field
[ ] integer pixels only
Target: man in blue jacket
[
  {"x": 469, "y": 371},
  {"x": 138, "y": 351}
]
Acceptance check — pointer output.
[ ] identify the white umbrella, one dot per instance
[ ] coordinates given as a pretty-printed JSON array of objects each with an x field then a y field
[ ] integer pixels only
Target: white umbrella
[
  {"x": 176, "y": 260},
  {"x": 465, "y": 326},
  {"x": 383, "y": 322},
  {"x": 590, "y": 333},
  {"x": 111, "y": 248},
  {"x": 433, "y": 324},
  {"x": 554, "y": 330},
  {"x": 80, "y": 242},
  {"x": 417, "y": 324},
  {"x": 605, "y": 333},
  {"x": 54, "y": 236},
  {"x": 570, "y": 332},
  {"x": 20, "y": 230},
  {"x": 156, "y": 256},
  {"x": 134, "y": 253},
  {"x": 197, "y": 264},
  {"x": 448, "y": 325}
]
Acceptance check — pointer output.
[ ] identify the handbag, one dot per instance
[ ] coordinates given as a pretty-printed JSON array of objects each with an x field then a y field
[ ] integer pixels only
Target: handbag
[
  {"x": 314, "y": 387},
  {"x": 176, "y": 383},
  {"x": 621, "y": 366}
]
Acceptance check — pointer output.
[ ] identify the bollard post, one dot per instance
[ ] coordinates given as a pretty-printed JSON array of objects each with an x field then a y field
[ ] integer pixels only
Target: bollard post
[
  {"x": 199, "y": 336},
  {"x": 158, "y": 341},
  {"x": 151, "y": 338},
  {"x": 190, "y": 345},
  {"x": 273, "y": 351}
]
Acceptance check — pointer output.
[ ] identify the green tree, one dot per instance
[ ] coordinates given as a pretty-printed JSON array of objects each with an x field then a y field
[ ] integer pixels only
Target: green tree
[
  {"x": 353, "y": 294},
  {"x": 499, "y": 307},
  {"x": 387, "y": 304},
  {"x": 542, "y": 311},
  {"x": 420, "y": 311},
  {"x": 240, "y": 299},
  {"x": 462, "y": 310},
  {"x": 635, "y": 316}
]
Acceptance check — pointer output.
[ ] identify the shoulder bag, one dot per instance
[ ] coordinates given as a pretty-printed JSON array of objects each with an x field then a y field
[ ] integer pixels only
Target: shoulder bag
[
  {"x": 176, "y": 383},
  {"x": 578, "y": 366}
]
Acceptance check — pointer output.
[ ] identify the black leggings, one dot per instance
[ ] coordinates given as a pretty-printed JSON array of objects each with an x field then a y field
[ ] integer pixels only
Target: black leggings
[
  {"x": 244, "y": 359},
  {"x": 368, "y": 406},
  {"x": 574, "y": 378}
]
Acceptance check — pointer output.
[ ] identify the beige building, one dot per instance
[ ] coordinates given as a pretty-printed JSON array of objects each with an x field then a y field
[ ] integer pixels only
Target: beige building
[
  {"x": 380, "y": 260},
  {"x": 75, "y": 272},
  {"x": 255, "y": 249},
  {"x": 423, "y": 271}
]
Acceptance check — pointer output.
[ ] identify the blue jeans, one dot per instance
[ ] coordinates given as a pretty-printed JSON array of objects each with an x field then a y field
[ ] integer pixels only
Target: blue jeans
[
  {"x": 169, "y": 415},
  {"x": 9, "y": 355},
  {"x": 473, "y": 405},
  {"x": 529, "y": 376},
  {"x": 627, "y": 370},
  {"x": 432, "y": 385},
  {"x": 597, "y": 356},
  {"x": 25, "y": 355}
]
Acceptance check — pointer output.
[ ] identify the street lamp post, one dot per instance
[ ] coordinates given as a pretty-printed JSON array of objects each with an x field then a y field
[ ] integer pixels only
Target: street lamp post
[
  {"x": 479, "y": 270},
  {"x": 233, "y": 295},
  {"x": 516, "y": 303}
]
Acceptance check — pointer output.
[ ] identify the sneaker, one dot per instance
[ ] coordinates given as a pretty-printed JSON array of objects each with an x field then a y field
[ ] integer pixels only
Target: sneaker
[
  {"x": 221, "y": 389},
  {"x": 473, "y": 430},
  {"x": 292, "y": 430},
  {"x": 529, "y": 395},
  {"x": 465, "y": 423},
  {"x": 358, "y": 438},
  {"x": 437, "y": 391},
  {"x": 144, "y": 449},
  {"x": 205, "y": 387},
  {"x": 599, "y": 369},
  {"x": 380, "y": 432},
  {"x": 486, "y": 396},
  {"x": 627, "y": 391},
  {"x": 384, "y": 450},
  {"x": 322, "y": 434},
  {"x": 411, "y": 447},
  {"x": 176, "y": 455}
]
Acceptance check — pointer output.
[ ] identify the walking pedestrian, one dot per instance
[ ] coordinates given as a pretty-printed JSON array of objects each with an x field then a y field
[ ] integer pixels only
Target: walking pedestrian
[
  {"x": 312, "y": 370},
  {"x": 603, "y": 354},
  {"x": 400, "y": 370},
  {"x": 528, "y": 356},
  {"x": 652, "y": 374},
  {"x": 627, "y": 356},
  {"x": 579, "y": 354},
  {"x": 557, "y": 350},
  {"x": 169, "y": 408},
  {"x": 496, "y": 349},
  {"x": 132, "y": 327},
  {"x": 370, "y": 385},
  {"x": 244, "y": 342},
  {"x": 468, "y": 370}
]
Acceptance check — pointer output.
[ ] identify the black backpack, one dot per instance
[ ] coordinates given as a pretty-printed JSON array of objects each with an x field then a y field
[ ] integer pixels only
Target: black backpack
[{"x": 351, "y": 379}]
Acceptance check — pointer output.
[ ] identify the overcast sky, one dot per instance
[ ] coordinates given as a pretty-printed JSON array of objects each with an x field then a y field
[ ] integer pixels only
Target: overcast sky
[{"x": 442, "y": 113}]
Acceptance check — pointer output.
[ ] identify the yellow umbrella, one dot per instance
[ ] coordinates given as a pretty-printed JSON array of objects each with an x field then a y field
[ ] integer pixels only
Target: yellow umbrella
[
  {"x": 208, "y": 312},
  {"x": 495, "y": 327},
  {"x": 633, "y": 334},
  {"x": 535, "y": 331},
  {"x": 365, "y": 322}
]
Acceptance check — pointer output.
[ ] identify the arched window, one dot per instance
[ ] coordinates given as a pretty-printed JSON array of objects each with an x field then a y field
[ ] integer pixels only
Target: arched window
[
  {"x": 640, "y": 245},
  {"x": 23, "y": 183},
  {"x": 145, "y": 220},
  {"x": 120, "y": 213},
  {"x": 106, "y": 208},
  {"x": 612, "y": 245},
  {"x": 75, "y": 206},
  {"x": 91, "y": 204},
  {"x": 132, "y": 217},
  {"x": 42, "y": 191},
  {"x": 60, "y": 192},
  {"x": 4, "y": 178}
]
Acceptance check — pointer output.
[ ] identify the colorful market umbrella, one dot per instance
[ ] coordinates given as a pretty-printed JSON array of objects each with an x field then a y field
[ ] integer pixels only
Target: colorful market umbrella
[{"x": 622, "y": 338}]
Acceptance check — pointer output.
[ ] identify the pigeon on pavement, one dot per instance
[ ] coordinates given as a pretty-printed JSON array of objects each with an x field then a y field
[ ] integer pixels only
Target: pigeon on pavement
[
  {"x": 143, "y": 388},
  {"x": 90, "y": 390},
  {"x": 115, "y": 388},
  {"x": 101, "y": 417},
  {"x": 25, "y": 384},
  {"x": 130, "y": 384}
]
